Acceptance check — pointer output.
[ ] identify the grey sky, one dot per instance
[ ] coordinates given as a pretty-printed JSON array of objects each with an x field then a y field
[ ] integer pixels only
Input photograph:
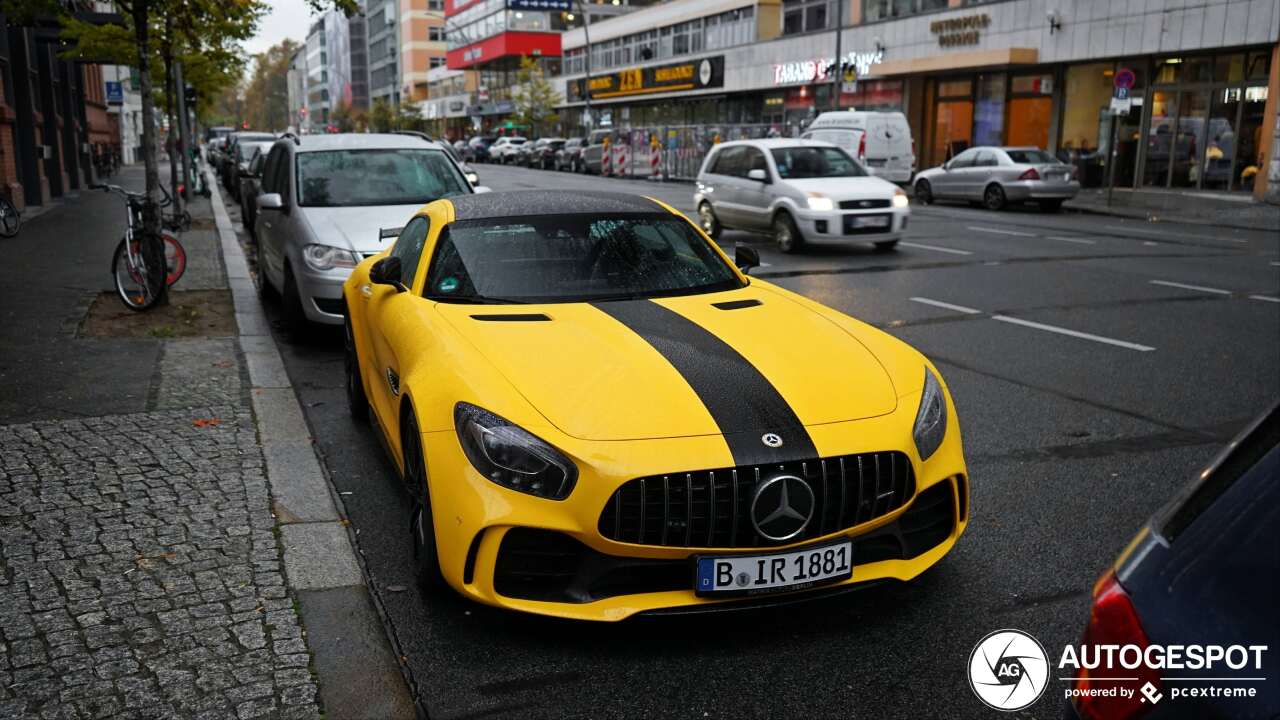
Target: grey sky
[{"x": 287, "y": 19}]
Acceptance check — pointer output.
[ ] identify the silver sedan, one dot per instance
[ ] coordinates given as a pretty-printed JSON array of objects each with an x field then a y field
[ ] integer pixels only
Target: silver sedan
[{"x": 997, "y": 176}]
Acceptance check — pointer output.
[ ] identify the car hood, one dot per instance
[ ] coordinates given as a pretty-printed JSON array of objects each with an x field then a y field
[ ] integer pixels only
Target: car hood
[
  {"x": 846, "y": 188},
  {"x": 356, "y": 228},
  {"x": 597, "y": 373}
]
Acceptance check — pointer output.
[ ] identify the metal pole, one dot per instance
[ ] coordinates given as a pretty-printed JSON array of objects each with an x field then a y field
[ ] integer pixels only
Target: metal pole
[
  {"x": 184, "y": 128},
  {"x": 1111, "y": 156},
  {"x": 839, "y": 72},
  {"x": 586, "y": 82}
]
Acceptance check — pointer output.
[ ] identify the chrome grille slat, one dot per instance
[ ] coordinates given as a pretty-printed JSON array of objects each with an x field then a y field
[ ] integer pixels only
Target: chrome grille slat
[{"x": 885, "y": 483}]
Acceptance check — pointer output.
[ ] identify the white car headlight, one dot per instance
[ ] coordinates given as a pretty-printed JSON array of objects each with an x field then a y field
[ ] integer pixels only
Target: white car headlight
[
  {"x": 511, "y": 456},
  {"x": 900, "y": 199},
  {"x": 473, "y": 178},
  {"x": 931, "y": 418},
  {"x": 327, "y": 257},
  {"x": 821, "y": 203}
]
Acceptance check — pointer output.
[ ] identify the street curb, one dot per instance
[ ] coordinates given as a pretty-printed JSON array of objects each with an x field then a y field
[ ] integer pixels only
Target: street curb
[{"x": 318, "y": 545}]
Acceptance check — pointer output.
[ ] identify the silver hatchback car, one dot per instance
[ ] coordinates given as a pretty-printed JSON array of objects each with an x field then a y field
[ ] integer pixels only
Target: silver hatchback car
[
  {"x": 329, "y": 201},
  {"x": 997, "y": 176}
]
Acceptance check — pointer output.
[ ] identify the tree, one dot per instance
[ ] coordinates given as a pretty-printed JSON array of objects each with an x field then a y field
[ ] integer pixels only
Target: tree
[
  {"x": 534, "y": 97},
  {"x": 382, "y": 117},
  {"x": 266, "y": 98}
]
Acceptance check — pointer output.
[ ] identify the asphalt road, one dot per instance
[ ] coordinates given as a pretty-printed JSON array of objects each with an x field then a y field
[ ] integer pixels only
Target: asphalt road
[{"x": 1150, "y": 345}]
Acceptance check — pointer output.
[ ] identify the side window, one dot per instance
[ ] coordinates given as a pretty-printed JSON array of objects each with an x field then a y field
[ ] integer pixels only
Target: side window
[
  {"x": 986, "y": 158},
  {"x": 754, "y": 161},
  {"x": 281, "y": 176},
  {"x": 269, "y": 170},
  {"x": 408, "y": 248},
  {"x": 730, "y": 161},
  {"x": 964, "y": 159}
]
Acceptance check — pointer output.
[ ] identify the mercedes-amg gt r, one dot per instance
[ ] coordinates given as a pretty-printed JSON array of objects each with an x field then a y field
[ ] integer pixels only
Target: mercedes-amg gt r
[{"x": 599, "y": 415}]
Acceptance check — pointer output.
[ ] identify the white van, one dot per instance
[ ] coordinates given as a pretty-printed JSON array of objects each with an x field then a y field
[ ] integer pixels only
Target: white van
[{"x": 881, "y": 140}]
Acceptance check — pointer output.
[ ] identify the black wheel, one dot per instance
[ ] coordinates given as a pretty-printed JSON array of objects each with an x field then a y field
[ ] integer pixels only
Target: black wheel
[
  {"x": 886, "y": 245},
  {"x": 10, "y": 220},
  {"x": 357, "y": 401},
  {"x": 1050, "y": 206},
  {"x": 707, "y": 219},
  {"x": 421, "y": 523},
  {"x": 924, "y": 192},
  {"x": 786, "y": 233},
  {"x": 294, "y": 316},
  {"x": 266, "y": 290},
  {"x": 993, "y": 197}
]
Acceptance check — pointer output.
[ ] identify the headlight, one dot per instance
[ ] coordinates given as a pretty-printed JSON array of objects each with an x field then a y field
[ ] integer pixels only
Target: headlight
[
  {"x": 512, "y": 457},
  {"x": 473, "y": 178},
  {"x": 327, "y": 257},
  {"x": 931, "y": 418},
  {"x": 820, "y": 203},
  {"x": 900, "y": 199}
]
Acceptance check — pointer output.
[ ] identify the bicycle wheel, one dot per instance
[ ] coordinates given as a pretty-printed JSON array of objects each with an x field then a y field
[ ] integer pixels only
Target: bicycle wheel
[
  {"x": 175, "y": 259},
  {"x": 132, "y": 279},
  {"x": 10, "y": 220}
]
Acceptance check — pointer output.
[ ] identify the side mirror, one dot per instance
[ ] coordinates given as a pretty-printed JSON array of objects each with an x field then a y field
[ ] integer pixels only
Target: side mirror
[
  {"x": 387, "y": 272},
  {"x": 745, "y": 258},
  {"x": 946, "y": 165},
  {"x": 758, "y": 175},
  {"x": 270, "y": 201}
]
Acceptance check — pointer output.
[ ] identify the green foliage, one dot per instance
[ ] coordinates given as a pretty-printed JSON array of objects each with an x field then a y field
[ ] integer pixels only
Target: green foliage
[
  {"x": 382, "y": 116},
  {"x": 534, "y": 97},
  {"x": 266, "y": 97}
]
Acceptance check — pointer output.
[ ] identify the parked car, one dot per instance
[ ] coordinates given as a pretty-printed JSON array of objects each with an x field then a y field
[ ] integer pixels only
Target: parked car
[
  {"x": 229, "y": 162},
  {"x": 522, "y": 155},
  {"x": 479, "y": 147},
  {"x": 218, "y": 131},
  {"x": 800, "y": 191},
  {"x": 245, "y": 150},
  {"x": 1203, "y": 572},
  {"x": 325, "y": 203},
  {"x": 505, "y": 149},
  {"x": 569, "y": 156},
  {"x": 543, "y": 154},
  {"x": 594, "y": 150},
  {"x": 881, "y": 141},
  {"x": 785, "y": 447},
  {"x": 461, "y": 150},
  {"x": 213, "y": 152},
  {"x": 997, "y": 176},
  {"x": 250, "y": 186}
]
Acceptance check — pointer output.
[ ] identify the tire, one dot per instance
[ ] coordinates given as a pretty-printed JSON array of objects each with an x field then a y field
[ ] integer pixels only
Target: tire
[
  {"x": 886, "y": 245},
  {"x": 924, "y": 192},
  {"x": 295, "y": 317},
  {"x": 708, "y": 222},
  {"x": 426, "y": 558},
  {"x": 1050, "y": 206},
  {"x": 993, "y": 198},
  {"x": 357, "y": 401},
  {"x": 266, "y": 291},
  {"x": 786, "y": 234},
  {"x": 132, "y": 287},
  {"x": 175, "y": 260},
  {"x": 10, "y": 219}
]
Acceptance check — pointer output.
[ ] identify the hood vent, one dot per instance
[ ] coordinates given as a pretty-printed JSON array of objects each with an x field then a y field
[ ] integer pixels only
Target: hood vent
[
  {"x": 512, "y": 317},
  {"x": 737, "y": 304}
]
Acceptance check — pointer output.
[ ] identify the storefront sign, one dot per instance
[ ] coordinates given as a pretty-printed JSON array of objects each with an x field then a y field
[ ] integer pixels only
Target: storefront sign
[
  {"x": 964, "y": 30},
  {"x": 805, "y": 72},
  {"x": 559, "y": 5},
  {"x": 692, "y": 75},
  {"x": 115, "y": 93}
]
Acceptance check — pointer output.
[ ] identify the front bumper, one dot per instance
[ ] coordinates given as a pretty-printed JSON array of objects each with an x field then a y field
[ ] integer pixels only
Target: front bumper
[
  {"x": 520, "y": 552},
  {"x": 839, "y": 224},
  {"x": 321, "y": 293}
]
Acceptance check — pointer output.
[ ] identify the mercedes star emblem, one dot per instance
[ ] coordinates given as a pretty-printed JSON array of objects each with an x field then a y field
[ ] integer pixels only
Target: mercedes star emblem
[
  {"x": 773, "y": 440},
  {"x": 782, "y": 507}
]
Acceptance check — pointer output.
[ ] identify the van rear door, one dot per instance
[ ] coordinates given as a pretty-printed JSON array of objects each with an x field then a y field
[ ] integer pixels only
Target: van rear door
[
  {"x": 847, "y": 139},
  {"x": 889, "y": 142}
]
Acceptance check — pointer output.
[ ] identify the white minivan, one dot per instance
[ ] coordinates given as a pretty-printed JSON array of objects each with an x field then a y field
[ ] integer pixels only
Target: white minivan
[{"x": 881, "y": 140}]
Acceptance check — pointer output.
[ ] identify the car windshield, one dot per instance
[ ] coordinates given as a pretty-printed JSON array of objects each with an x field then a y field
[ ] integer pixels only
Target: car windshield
[
  {"x": 574, "y": 258},
  {"x": 1031, "y": 157},
  {"x": 248, "y": 150},
  {"x": 797, "y": 163},
  {"x": 337, "y": 178}
]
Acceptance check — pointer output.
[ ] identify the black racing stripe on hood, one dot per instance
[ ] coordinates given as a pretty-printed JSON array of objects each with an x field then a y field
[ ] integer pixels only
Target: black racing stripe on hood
[{"x": 742, "y": 401}]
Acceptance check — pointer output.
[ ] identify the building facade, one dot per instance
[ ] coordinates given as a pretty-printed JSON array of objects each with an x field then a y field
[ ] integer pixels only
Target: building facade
[
  {"x": 1198, "y": 77},
  {"x": 358, "y": 30},
  {"x": 422, "y": 45},
  {"x": 384, "y": 51},
  {"x": 316, "y": 79},
  {"x": 296, "y": 81},
  {"x": 124, "y": 103}
]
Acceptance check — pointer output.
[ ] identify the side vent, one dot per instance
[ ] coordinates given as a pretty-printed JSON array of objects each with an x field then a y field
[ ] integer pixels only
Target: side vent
[
  {"x": 737, "y": 304},
  {"x": 512, "y": 317}
]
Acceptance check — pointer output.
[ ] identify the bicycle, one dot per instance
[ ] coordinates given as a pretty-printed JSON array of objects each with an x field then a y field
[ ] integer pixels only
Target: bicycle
[
  {"x": 178, "y": 223},
  {"x": 135, "y": 274},
  {"x": 10, "y": 218}
]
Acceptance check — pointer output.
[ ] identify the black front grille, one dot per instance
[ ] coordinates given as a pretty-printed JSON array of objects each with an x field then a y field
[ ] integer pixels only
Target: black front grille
[
  {"x": 333, "y": 306},
  {"x": 864, "y": 204},
  {"x": 712, "y": 508},
  {"x": 551, "y": 566}
]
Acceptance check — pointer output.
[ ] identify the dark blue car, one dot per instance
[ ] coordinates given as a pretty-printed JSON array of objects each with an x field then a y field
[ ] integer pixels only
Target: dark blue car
[{"x": 1198, "y": 593}]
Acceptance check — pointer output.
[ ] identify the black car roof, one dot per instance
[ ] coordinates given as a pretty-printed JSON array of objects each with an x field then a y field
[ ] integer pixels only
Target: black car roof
[{"x": 547, "y": 202}]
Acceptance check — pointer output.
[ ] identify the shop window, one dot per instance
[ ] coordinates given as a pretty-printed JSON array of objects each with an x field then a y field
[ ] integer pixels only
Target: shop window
[
  {"x": 988, "y": 116},
  {"x": 1249, "y": 160},
  {"x": 1193, "y": 111},
  {"x": 1029, "y": 120},
  {"x": 1085, "y": 130},
  {"x": 1168, "y": 71},
  {"x": 955, "y": 88},
  {"x": 953, "y": 129},
  {"x": 1220, "y": 142},
  {"x": 1198, "y": 70},
  {"x": 1259, "y": 66},
  {"x": 1229, "y": 68},
  {"x": 1160, "y": 138}
]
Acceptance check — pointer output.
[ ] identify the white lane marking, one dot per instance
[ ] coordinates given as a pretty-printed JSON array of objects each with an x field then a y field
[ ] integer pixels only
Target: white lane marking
[
  {"x": 998, "y": 231},
  {"x": 1184, "y": 286},
  {"x": 948, "y": 306},
  {"x": 935, "y": 248},
  {"x": 1166, "y": 233},
  {"x": 1063, "y": 238},
  {"x": 1073, "y": 333},
  {"x": 1265, "y": 298}
]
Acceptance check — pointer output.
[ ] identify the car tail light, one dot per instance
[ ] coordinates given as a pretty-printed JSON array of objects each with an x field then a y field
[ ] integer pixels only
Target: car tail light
[
  {"x": 862, "y": 146},
  {"x": 1113, "y": 621},
  {"x": 1030, "y": 174}
]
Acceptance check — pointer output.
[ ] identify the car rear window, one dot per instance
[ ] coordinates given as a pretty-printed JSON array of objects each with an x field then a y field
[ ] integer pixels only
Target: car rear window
[{"x": 1031, "y": 157}]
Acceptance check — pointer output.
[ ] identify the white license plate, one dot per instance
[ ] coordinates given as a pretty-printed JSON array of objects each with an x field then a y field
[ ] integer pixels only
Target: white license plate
[
  {"x": 791, "y": 570},
  {"x": 873, "y": 221}
]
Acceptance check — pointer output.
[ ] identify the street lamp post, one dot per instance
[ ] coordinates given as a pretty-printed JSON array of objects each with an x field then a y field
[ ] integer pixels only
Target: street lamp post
[
  {"x": 586, "y": 50},
  {"x": 839, "y": 68}
]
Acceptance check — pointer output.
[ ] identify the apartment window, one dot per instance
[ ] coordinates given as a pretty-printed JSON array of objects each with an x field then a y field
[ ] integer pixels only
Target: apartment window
[
  {"x": 803, "y": 16},
  {"x": 436, "y": 62},
  {"x": 736, "y": 27},
  {"x": 435, "y": 33},
  {"x": 435, "y": 4},
  {"x": 873, "y": 10}
]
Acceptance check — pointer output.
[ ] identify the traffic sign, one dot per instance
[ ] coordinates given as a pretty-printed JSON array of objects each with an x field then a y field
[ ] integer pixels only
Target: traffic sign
[{"x": 1125, "y": 79}]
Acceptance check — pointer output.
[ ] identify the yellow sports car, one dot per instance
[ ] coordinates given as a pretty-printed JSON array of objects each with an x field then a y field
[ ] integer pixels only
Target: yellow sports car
[{"x": 600, "y": 415}]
